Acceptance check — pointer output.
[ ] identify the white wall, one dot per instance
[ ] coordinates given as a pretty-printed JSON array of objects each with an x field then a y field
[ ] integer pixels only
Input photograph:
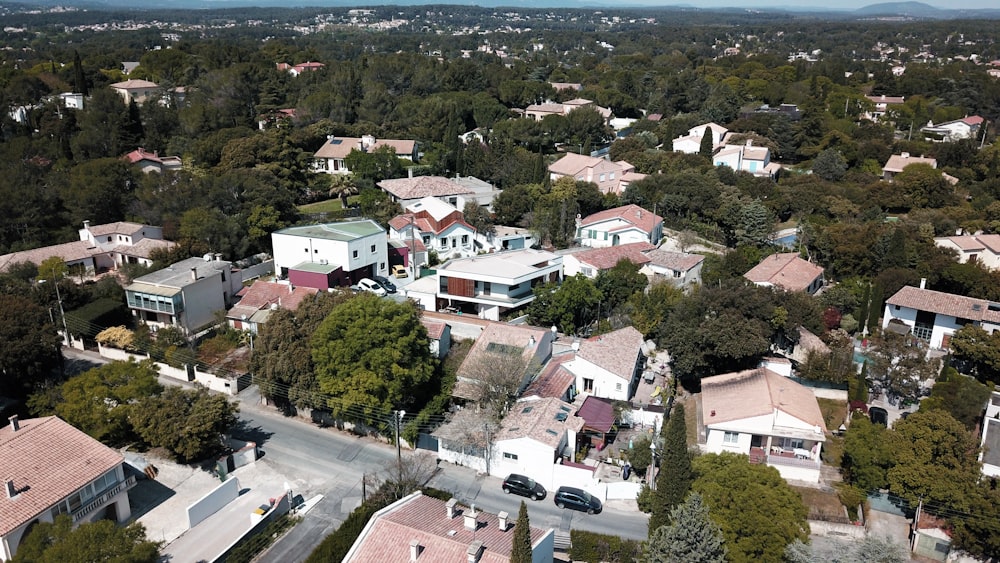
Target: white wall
[
  {"x": 943, "y": 324},
  {"x": 203, "y": 299},
  {"x": 213, "y": 501},
  {"x": 605, "y": 383},
  {"x": 533, "y": 459},
  {"x": 714, "y": 442}
]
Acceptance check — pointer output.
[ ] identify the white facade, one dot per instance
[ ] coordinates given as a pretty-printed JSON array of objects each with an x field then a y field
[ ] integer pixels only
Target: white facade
[
  {"x": 187, "y": 295},
  {"x": 788, "y": 444},
  {"x": 678, "y": 278},
  {"x": 597, "y": 381},
  {"x": 974, "y": 248},
  {"x": 497, "y": 282},
  {"x": 356, "y": 246}
]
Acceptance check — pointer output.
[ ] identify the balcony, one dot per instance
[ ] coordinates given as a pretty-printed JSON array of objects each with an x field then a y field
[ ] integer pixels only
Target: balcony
[
  {"x": 787, "y": 458},
  {"x": 103, "y": 498},
  {"x": 137, "y": 302}
]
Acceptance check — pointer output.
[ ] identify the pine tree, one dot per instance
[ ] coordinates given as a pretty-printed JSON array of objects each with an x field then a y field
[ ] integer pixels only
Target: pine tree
[
  {"x": 692, "y": 538},
  {"x": 79, "y": 80},
  {"x": 521, "y": 552},
  {"x": 674, "y": 479},
  {"x": 707, "y": 146}
]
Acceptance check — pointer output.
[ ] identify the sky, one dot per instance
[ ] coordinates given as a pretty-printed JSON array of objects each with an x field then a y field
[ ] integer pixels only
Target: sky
[{"x": 839, "y": 5}]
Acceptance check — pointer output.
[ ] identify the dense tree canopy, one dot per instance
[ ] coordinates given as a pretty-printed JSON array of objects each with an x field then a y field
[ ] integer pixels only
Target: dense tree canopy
[{"x": 104, "y": 540}]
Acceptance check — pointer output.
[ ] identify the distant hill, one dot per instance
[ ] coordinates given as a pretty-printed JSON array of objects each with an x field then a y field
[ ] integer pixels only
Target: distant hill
[{"x": 913, "y": 9}]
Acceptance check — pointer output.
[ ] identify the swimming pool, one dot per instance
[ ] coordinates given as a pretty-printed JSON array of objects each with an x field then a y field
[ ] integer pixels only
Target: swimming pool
[{"x": 787, "y": 241}]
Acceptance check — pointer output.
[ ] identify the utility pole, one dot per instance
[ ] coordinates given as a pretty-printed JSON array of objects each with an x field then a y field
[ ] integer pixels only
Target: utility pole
[
  {"x": 486, "y": 430},
  {"x": 62, "y": 313},
  {"x": 398, "y": 417}
]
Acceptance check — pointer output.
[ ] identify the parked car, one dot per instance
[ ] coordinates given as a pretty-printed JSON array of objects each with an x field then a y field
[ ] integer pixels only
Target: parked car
[
  {"x": 385, "y": 283},
  {"x": 577, "y": 499},
  {"x": 372, "y": 286},
  {"x": 524, "y": 486},
  {"x": 399, "y": 271}
]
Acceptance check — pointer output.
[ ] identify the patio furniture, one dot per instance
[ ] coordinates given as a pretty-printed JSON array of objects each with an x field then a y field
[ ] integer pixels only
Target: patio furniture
[{"x": 802, "y": 453}]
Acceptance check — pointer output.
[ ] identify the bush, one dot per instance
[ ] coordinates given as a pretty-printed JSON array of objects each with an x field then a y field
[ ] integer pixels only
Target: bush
[
  {"x": 596, "y": 548},
  {"x": 116, "y": 337},
  {"x": 646, "y": 499}
]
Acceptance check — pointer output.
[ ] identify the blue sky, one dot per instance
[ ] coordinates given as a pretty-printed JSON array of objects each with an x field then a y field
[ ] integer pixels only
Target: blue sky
[{"x": 840, "y": 5}]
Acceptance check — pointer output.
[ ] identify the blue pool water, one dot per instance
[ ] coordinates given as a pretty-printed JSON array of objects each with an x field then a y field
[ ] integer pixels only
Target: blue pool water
[{"x": 787, "y": 241}]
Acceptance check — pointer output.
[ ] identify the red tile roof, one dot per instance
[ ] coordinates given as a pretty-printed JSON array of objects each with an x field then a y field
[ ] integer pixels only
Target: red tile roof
[
  {"x": 756, "y": 392},
  {"x": 69, "y": 252},
  {"x": 263, "y": 294},
  {"x": 616, "y": 351},
  {"x": 677, "y": 261},
  {"x": 119, "y": 228},
  {"x": 435, "y": 329},
  {"x": 785, "y": 270},
  {"x": 957, "y": 306},
  {"x": 387, "y": 537},
  {"x": 631, "y": 213},
  {"x": 422, "y": 186},
  {"x": 47, "y": 459},
  {"x": 554, "y": 380},
  {"x": 544, "y": 420},
  {"x": 606, "y": 258}
]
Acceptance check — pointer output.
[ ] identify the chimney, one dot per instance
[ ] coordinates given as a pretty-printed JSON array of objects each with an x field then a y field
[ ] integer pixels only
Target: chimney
[
  {"x": 409, "y": 172},
  {"x": 474, "y": 551},
  {"x": 503, "y": 517},
  {"x": 14, "y": 424},
  {"x": 194, "y": 274},
  {"x": 904, "y": 155},
  {"x": 450, "y": 508},
  {"x": 86, "y": 225},
  {"x": 291, "y": 288},
  {"x": 923, "y": 283},
  {"x": 218, "y": 257},
  {"x": 531, "y": 340},
  {"x": 11, "y": 491},
  {"x": 330, "y": 138},
  {"x": 415, "y": 549},
  {"x": 470, "y": 519},
  {"x": 749, "y": 142}
]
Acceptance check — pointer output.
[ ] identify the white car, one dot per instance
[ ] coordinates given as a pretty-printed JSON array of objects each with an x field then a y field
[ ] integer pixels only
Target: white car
[{"x": 372, "y": 286}]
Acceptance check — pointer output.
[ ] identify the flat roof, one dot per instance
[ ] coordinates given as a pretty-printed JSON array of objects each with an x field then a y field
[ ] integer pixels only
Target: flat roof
[
  {"x": 153, "y": 289},
  {"x": 346, "y": 231},
  {"x": 315, "y": 267},
  {"x": 179, "y": 275}
]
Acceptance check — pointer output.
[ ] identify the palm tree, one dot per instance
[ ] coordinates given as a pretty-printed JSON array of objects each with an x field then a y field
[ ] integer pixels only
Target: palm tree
[{"x": 342, "y": 186}]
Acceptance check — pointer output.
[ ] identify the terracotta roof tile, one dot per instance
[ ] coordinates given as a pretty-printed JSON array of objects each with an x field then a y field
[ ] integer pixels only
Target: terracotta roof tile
[
  {"x": 678, "y": 261},
  {"x": 340, "y": 147},
  {"x": 898, "y": 162},
  {"x": 631, "y": 213},
  {"x": 554, "y": 380},
  {"x": 957, "y": 306},
  {"x": 615, "y": 351},
  {"x": 544, "y": 420},
  {"x": 69, "y": 252},
  {"x": 262, "y": 295},
  {"x": 422, "y": 186},
  {"x": 435, "y": 329},
  {"x": 144, "y": 248},
  {"x": 47, "y": 459},
  {"x": 785, "y": 270},
  {"x": 756, "y": 392},
  {"x": 119, "y": 228},
  {"x": 606, "y": 258}
]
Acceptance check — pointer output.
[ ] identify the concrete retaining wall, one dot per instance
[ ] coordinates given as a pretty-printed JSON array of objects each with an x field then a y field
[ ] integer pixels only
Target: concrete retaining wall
[
  {"x": 835, "y": 394},
  {"x": 836, "y": 529},
  {"x": 623, "y": 490},
  {"x": 213, "y": 501},
  {"x": 210, "y": 380}
]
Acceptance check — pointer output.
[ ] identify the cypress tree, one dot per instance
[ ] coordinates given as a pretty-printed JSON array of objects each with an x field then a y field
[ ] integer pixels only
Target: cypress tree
[
  {"x": 674, "y": 479},
  {"x": 707, "y": 146},
  {"x": 521, "y": 552},
  {"x": 691, "y": 538}
]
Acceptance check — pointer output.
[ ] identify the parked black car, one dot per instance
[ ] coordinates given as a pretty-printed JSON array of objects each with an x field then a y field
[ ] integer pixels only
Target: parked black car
[
  {"x": 577, "y": 499},
  {"x": 385, "y": 283},
  {"x": 524, "y": 486}
]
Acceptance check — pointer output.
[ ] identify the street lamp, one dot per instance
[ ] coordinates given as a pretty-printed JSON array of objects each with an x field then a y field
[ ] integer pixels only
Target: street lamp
[
  {"x": 652, "y": 466},
  {"x": 398, "y": 419}
]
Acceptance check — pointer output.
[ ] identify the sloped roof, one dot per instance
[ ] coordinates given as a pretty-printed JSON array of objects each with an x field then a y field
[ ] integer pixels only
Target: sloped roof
[
  {"x": 435, "y": 329},
  {"x": 144, "y": 248},
  {"x": 677, "y": 261},
  {"x": 757, "y": 392},
  {"x": 69, "y": 252},
  {"x": 119, "y": 228},
  {"x": 554, "y": 380},
  {"x": 544, "y": 420},
  {"x": 615, "y": 351},
  {"x": 598, "y": 414},
  {"x": 422, "y": 186},
  {"x": 262, "y": 295},
  {"x": 47, "y": 459},
  {"x": 785, "y": 270},
  {"x": 606, "y": 258},
  {"x": 340, "y": 147},
  {"x": 571, "y": 164},
  {"x": 974, "y": 242},
  {"x": 631, "y": 213},
  {"x": 134, "y": 84},
  {"x": 898, "y": 162},
  {"x": 957, "y": 306}
]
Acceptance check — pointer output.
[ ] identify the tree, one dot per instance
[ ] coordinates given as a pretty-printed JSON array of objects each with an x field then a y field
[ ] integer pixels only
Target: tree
[
  {"x": 978, "y": 351},
  {"x": 570, "y": 306},
  {"x": 870, "y": 548},
  {"x": 866, "y": 455},
  {"x": 477, "y": 216},
  {"x": 499, "y": 376},
  {"x": 371, "y": 356},
  {"x": 640, "y": 455},
  {"x": 758, "y": 513},
  {"x": 521, "y": 550},
  {"x": 961, "y": 396},
  {"x": 707, "y": 146},
  {"x": 830, "y": 165},
  {"x": 377, "y": 165},
  {"x": 377, "y": 205},
  {"x": 103, "y": 540},
  {"x": 30, "y": 350},
  {"x": 675, "y": 476},
  {"x": 692, "y": 537},
  {"x": 900, "y": 367},
  {"x": 342, "y": 186},
  {"x": 187, "y": 422},
  {"x": 619, "y": 283}
]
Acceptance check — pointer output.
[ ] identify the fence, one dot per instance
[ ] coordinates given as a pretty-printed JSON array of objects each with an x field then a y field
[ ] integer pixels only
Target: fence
[{"x": 227, "y": 385}]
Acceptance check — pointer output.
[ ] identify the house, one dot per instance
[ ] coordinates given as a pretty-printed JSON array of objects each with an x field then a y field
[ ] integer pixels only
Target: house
[
  {"x": 510, "y": 238},
  {"x": 747, "y": 158},
  {"x": 407, "y": 191},
  {"x": 152, "y": 161},
  {"x": 593, "y": 261},
  {"x": 276, "y": 118},
  {"x": 51, "y": 468},
  {"x": 766, "y": 416},
  {"x": 439, "y": 333},
  {"x": 100, "y": 248},
  {"x": 609, "y": 365},
  {"x": 981, "y": 248},
  {"x": 439, "y": 225},
  {"x": 71, "y": 100},
  {"x": 898, "y": 162},
  {"x": 951, "y": 131},
  {"x": 691, "y": 143},
  {"x": 135, "y": 90},
  {"x": 882, "y": 104},
  {"x": 331, "y": 254},
  {"x": 482, "y": 191},
  {"x": 129, "y": 66},
  {"x": 930, "y": 538},
  {"x": 533, "y": 345},
  {"x": 558, "y": 86},
  {"x": 989, "y": 445},
  {"x": 186, "y": 295},
  {"x": 610, "y": 177},
  {"x": 788, "y": 272},
  {"x": 934, "y": 316},
  {"x": 257, "y": 302},
  {"x": 491, "y": 284},
  {"x": 538, "y": 112},
  {"x": 680, "y": 269},
  {"x": 419, "y": 528},
  {"x": 300, "y": 68},
  {"x": 621, "y": 225},
  {"x": 330, "y": 157},
  {"x": 533, "y": 437}
]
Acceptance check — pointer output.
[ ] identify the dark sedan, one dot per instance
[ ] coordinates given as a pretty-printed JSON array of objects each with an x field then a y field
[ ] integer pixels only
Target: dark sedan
[
  {"x": 577, "y": 499},
  {"x": 524, "y": 486},
  {"x": 385, "y": 283}
]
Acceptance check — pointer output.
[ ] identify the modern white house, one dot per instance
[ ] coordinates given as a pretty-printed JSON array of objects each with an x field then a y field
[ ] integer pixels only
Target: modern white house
[
  {"x": 186, "y": 295},
  {"x": 989, "y": 445},
  {"x": 609, "y": 365},
  {"x": 766, "y": 416},
  {"x": 491, "y": 284},
  {"x": 419, "y": 528},
  {"x": 439, "y": 225},
  {"x": 329, "y": 159},
  {"x": 621, "y": 225},
  {"x": 691, "y": 143},
  {"x": 610, "y": 177},
  {"x": 50, "y": 468},
  {"x": 934, "y": 316},
  {"x": 747, "y": 158},
  {"x": 538, "y": 112},
  {"x": 331, "y": 254},
  {"x": 981, "y": 248},
  {"x": 788, "y": 272}
]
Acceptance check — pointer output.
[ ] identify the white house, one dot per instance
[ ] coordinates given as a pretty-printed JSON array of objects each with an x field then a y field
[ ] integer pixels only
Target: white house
[
  {"x": 934, "y": 316},
  {"x": 592, "y": 261},
  {"x": 621, "y": 225},
  {"x": 538, "y": 112},
  {"x": 951, "y": 131},
  {"x": 51, "y": 468},
  {"x": 439, "y": 225},
  {"x": 766, "y": 416},
  {"x": 680, "y": 269},
  {"x": 491, "y": 284},
  {"x": 331, "y": 254},
  {"x": 407, "y": 191},
  {"x": 787, "y": 271},
  {"x": 533, "y": 437},
  {"x": 152, "y": 161},
  {"x": 882, "y": 104},
  {"x": 898, "y": 162},
  {"x": 747, "y": 158},
  {"x": 186, "y": 295},
  {"x": 981, "y": 248},
  {"x": 609, "y": 365},
  {"x": 989, "y": 445},
  {"x": 419, "y": 528},
  {"x": 439, "y": 334},
  {"x": 691, "y": 143},
  {"x": 610, "y": 177},
  {"x": 135, "y": 90},
  {"x": 510, "y": 238},
  {"x": 330, "y": 157}
]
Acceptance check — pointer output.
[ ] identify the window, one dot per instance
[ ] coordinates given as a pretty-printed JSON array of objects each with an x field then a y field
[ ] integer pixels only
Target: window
[
  {"x": 587, "y": 272},
  {"x": 355, "y": 253},
  {"x": 603, "y": 177},
  {"x": 618, "y": 386},
  {"x": 109, "y": 239},
  {"x": 612, "y": 176},
  {"x": 588, "y": 385},
  {"x": 427, "y": 240},
  {"x": 510, "y": 456},
  {"x": 443, "y": 242},
  {"x": 316, "y": 251},
  {"x": 487, "y": 288},
  {"x": 895, "y": 307},
  {"x": 373, "y": 249},
  {"x": 306, "y": 250},
  {"x": 465, "y": 239},
  {"x": 731, "y": 438},
  {"x": 381, "y": 266}
]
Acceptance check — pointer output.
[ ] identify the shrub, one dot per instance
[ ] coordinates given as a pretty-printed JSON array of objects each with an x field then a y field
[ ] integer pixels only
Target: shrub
[
  {"x": 596, "y": 548},
  {"x": 116, "y": 337}
]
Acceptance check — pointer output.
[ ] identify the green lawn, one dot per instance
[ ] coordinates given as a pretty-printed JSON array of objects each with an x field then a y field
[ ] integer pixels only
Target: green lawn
[{"x": 327, "y": 206}]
